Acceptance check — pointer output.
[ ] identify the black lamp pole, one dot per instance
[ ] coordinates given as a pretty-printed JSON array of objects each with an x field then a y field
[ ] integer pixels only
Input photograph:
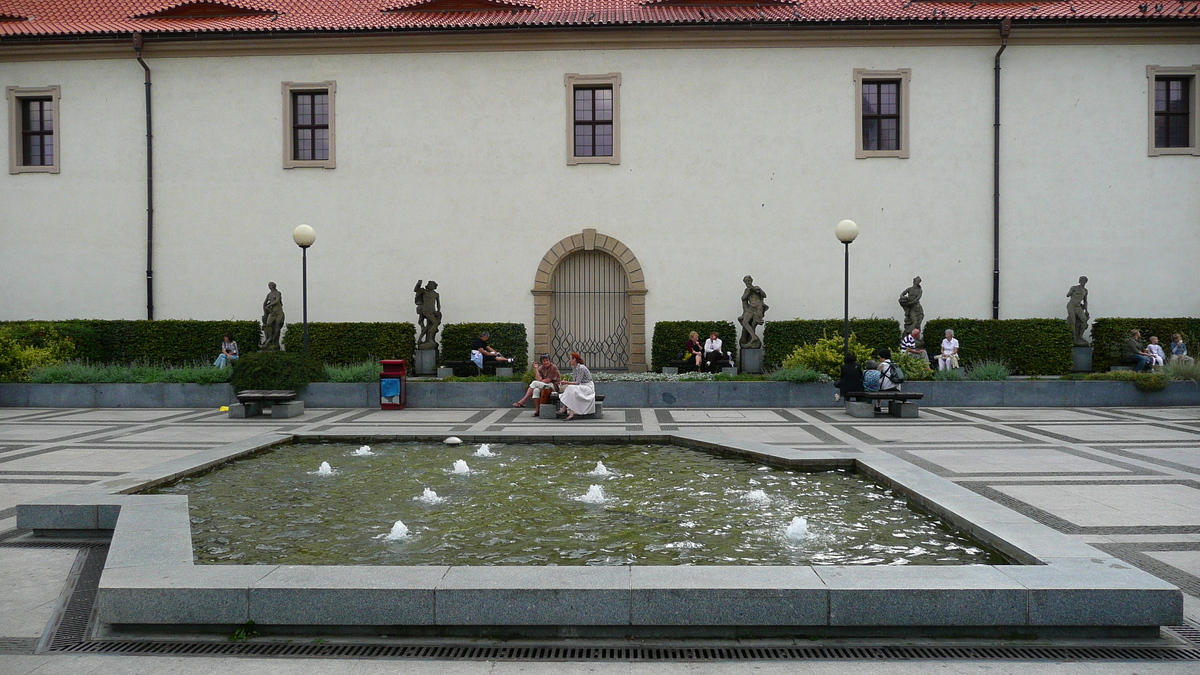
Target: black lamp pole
[
  {"x": 304, "y": 277},
  {"x": 846, "y": 312}
]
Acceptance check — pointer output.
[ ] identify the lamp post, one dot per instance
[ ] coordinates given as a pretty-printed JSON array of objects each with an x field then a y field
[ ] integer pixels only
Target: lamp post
[
  {"x": 847, "y": 232},
  {"x": 304, "y": 236}
]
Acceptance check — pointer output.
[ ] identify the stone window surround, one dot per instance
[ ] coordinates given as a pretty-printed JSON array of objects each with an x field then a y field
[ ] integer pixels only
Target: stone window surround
[
  {"x": 861, "y": 75},
  {"x": 571, "y": 80},
  {"x": 15, "y": 94},
  {"x": 288, "y": 88},
  {"x": 590, "y": 240},
  {"x": 1153, "y": 73}
]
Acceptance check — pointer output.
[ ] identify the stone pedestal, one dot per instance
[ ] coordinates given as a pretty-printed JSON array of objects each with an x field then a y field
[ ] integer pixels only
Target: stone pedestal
[
  {"x": 729, "y": 370},
  {"x": 1081, "y": 359},
  {"x": 444, "y": 371},
  {"x": 425, "y": 361},
  {"x": 752, "y": 360}
]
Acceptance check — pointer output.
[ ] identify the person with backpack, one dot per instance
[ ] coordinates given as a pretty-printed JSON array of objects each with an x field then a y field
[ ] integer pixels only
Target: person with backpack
[{"x": 890, "y": 375}]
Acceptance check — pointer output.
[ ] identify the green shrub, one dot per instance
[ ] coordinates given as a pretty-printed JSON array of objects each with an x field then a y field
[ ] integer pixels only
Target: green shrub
[
  {"x": 179, "y": 342},
  {"x": 952, "y": 375},
  {"x": 1182, "y": 370},
  {"x": 77, "y": 372},
  {"x": 1028, "y": 346},
  {"x": 670, "y": 337},
  {"x": 798, "y": 374},
  {"x": 367, "y": 371},
  {"x": 989, "y": 370},
  {"x": 916, "y": 368},
  {"x": 275, "y": 370},
  {"x": 826, "y": 355},
  {"x": 509, "y": 339},
  {"x": 1109, "y": 334},
  {"x": 780, "y": 338},
  {"x": 1143, "y": 381},
  {"x": 353, "y": 342},
  {"x": 32, "y": 346}
]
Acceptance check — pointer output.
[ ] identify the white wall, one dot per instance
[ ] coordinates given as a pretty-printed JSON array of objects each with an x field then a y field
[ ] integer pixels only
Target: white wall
[{"x": 451, "y": 166}]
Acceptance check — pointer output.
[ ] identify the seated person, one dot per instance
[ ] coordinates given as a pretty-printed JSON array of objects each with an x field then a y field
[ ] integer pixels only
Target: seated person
[
  {"x": 715, "y": 357},
  {"x": 1157, "y": 356},
  {"x": 579, "y": 395},
  {"x": 1132, "y": 352},
  {"x": 851, "y": 379},
  {"x": 693, "y": 351},
  {"x": 871, "y": 377},
  {"x": 1179, "y": 350},
  {"x": 948, "y": 359},
  {"x": 482, "y": 354},
  {"x": 545, "y": 377},
  {"x": 912, "y": 344},
  {"x": 229, "y": 352}
]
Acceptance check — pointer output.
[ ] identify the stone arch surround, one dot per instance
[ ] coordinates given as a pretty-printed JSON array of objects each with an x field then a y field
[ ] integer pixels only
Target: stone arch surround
[{"x": 590, "y": 240}]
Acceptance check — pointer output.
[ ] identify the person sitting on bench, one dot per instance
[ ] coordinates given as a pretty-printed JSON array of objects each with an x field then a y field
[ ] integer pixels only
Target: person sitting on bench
[
  {"x": 715, "y": 357},
  {"x": 1134, "y": 353},
  {"x": 579, "y": 396},
  {"x": 851, "y": 380},
  {"x": 545, "y": 377},
  {"x": 692, "y": 351},
  {"x": 483, "y": 355}
]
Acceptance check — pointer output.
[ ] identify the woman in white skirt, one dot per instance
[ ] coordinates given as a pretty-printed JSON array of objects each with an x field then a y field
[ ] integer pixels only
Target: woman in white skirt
[{"x": 578, "y": 397}]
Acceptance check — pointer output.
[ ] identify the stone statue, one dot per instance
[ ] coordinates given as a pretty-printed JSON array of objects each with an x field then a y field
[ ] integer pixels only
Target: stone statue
[
  {"x": 753, "y": 311},
  {"x": 429, "y": 314},
  {"x": 272, "y": 320},
  {"x": 910, "y": 300},
  {"x": 1077, "y": 312}
]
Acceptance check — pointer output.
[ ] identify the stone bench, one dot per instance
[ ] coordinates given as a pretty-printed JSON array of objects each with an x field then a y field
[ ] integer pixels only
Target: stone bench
[
  {"x": 549, "y": 411},
  {"x": 900, "y": 403},
  {"x": 493, "y": 368},
  {"x": 281, "y": 402}
]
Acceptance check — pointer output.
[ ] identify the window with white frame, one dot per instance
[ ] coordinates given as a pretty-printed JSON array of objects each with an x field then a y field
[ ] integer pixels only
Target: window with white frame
[
  {"x": 1173, "y": 107},
  {"x": 881, "y": 113},
  {"x": 33, "y": 130},
  {"x": 309, "y": 125},
  {"x": 593, "y": 118}
]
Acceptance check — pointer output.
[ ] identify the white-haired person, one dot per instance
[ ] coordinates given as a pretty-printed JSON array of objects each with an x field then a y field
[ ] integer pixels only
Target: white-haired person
[
  {"x": 578, "y": 396},
  {"x": 948, "y": 358}
]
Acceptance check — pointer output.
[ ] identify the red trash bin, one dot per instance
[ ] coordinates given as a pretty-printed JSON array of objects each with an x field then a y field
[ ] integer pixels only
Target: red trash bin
[{"x": 392, "y": 386}]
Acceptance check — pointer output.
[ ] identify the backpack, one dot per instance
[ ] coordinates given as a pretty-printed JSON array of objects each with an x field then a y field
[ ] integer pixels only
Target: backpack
[
  {"x": 895, "y": 374},
  {"x": 871, "y": 380}
]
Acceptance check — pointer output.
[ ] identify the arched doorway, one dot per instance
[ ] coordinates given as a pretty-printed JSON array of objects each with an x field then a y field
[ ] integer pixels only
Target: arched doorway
[{"x": 589, "y": 296}]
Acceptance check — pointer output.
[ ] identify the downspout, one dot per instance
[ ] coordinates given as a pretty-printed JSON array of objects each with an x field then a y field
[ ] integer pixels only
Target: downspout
[
  {"x": 138, "y": 43},
  {"x": 1005, "y": 30}
]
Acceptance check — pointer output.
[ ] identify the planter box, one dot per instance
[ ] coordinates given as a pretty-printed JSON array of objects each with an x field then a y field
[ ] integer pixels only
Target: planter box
[{"x": 1011, "y": 393}]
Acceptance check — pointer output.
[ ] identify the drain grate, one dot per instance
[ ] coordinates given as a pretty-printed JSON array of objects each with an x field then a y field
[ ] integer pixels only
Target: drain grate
[
  {"x": 1188, "y": 631},
  {"x": 637, "y": 653},
  {"x": 71, "y": 626}
]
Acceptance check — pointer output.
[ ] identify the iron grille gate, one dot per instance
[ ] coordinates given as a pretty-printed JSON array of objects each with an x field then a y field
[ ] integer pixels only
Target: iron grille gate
[{"x": 589, "y": 311}]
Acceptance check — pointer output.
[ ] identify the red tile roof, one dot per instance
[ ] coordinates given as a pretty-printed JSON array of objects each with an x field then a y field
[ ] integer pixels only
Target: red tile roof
[{"x": 108, "y": 17}]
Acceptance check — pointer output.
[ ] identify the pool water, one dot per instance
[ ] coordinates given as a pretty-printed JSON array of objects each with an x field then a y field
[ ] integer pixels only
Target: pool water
[{"x": 545, "y": 504}]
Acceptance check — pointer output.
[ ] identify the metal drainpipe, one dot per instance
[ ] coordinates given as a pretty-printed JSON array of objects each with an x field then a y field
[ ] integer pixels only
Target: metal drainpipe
[
  {"x": 138, "y": 43},
  {"x": 1005, "y": 30}
]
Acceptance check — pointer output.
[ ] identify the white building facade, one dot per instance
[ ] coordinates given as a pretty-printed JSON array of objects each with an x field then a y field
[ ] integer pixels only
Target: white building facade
[{"x": 453, "y": 156}]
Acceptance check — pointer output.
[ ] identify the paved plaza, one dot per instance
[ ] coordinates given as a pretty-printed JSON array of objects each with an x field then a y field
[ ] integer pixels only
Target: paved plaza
[{"x": 1124, "y": 480}]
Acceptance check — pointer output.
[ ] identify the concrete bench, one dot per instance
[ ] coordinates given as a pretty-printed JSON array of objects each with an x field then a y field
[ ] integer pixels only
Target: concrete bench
[
  {"x": 549, "y": 411},
  {"x": 900, "y": 403},
  {"x": 493, "y": 368},
  {"x": 281, "y": 402}
]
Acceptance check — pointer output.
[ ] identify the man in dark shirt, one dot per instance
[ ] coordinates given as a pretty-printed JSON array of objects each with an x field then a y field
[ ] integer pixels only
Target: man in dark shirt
[
  {"x": 490, "y": 355},
  {"x": 1134, "y": 353}
]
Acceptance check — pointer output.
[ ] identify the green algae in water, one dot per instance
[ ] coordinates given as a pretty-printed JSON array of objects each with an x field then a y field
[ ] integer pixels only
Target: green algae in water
[{"x": 526, "y": 505}]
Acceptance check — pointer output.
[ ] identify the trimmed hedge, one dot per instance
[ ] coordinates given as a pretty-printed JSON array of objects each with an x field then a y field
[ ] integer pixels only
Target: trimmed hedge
[
  {"x": 167, "y": 341},
  {"x": 670, "y": 337},
  {"x": 1109, "y": 334},
  {"x": 1027, "y": 346},
  {"x": 276, "y": 370},
  {"x": 346, "y": 342},
  {"x": 780, "y": 338},
  {"x": 509, "y": 339}
]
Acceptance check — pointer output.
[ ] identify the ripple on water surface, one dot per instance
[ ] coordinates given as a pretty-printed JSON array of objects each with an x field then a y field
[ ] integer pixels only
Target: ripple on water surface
[{"x": 661, "y": 505}]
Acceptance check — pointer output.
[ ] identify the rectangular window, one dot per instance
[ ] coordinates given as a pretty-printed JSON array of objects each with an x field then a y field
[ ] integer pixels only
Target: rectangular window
[
  {"x": 881, "y": 105},
  {"x": 33, "y": 130},
  {"x": 309, "y": 125},
  {"x": 1173, "y": 106},
  {"x": 593, "y": 118}
]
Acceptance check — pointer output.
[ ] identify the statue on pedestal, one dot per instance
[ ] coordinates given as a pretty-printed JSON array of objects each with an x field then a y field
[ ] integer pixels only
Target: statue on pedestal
[
  {"x": 1077, "y": 312},
  {"x": 429, "y": 314},
  {"x": 753, "y": 311},
  {"x": 272, "y": 319},
  {"x": 910, "y": 301}
]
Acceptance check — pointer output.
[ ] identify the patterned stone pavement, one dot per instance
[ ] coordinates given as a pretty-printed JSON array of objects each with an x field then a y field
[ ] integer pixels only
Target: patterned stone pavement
[{"x": 1124, "y": 480}]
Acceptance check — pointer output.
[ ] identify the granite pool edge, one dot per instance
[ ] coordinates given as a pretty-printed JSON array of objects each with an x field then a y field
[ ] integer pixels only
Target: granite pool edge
[
  {"x": 734, "y": 394},
  {"x": 150, "y": 577}
]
